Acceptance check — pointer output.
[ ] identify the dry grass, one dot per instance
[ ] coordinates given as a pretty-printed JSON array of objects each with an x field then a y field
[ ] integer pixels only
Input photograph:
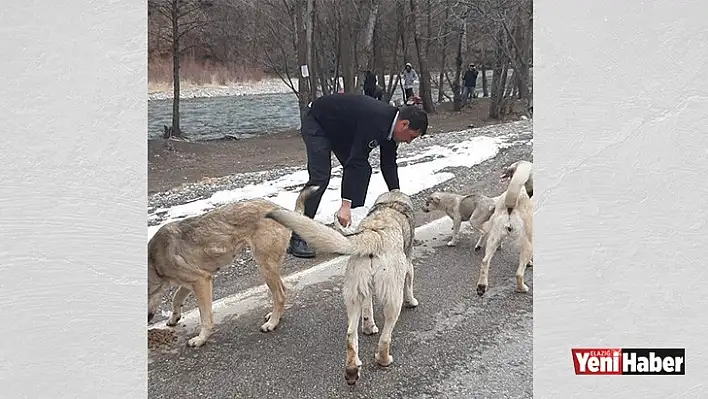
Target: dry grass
[{"x": 198, "y": 74}]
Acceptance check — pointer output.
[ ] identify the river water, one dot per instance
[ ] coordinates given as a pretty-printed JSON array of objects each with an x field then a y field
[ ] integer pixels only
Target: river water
[{"x": 212, "y": 118}]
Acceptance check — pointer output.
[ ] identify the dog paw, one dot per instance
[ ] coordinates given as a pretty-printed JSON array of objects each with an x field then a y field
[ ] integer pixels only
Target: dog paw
[
  {"x": 384, "y": 362},
  {"x": 481, "y": 289},
  {"x": 412, "y": 303},
  {"x": 523, "y": 289},
  {"x": 196, "y": 342},
  {"x": 451, "y": 243},
  {"x": 173, "y": 320},
  {"x": 268, "y": 327},
  {"x": 370, "y": 330},
  {"x": 351, "y": 375}
]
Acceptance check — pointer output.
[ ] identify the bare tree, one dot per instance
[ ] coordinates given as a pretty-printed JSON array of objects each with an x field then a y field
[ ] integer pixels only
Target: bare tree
[
  {"x": 185, "y": 17},
  {"x": 424, "y": 77},
  {"x": 339, "y": 39},
  {"x": 304, "y": 20},
  {"x": 366, "y": 59},
  {"x": 512, "y": 27}
]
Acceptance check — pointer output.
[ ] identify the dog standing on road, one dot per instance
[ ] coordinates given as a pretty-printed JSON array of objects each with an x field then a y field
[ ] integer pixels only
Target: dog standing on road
[
  {"x": 380, "y": 251},
  {"x": 513, "y": 215},
  {"x": 475, "y": 208},
  {"x": 188, "y": 252}
]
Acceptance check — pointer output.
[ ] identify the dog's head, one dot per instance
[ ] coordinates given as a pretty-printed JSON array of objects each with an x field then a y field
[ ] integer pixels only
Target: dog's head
[
  {"x": 432, "y": 203},
  {"x": 156, "y": 286}
]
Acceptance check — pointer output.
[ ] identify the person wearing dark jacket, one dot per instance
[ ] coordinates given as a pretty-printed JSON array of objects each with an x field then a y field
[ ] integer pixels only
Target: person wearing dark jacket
[
  {"x": 369, "y": 84},
  {"x": 470, "y": 82},
  {"x": 351, "y": 126}
]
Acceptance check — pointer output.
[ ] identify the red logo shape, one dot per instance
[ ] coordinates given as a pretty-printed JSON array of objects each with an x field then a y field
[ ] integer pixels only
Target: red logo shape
[{"x": 597, "y": 361}]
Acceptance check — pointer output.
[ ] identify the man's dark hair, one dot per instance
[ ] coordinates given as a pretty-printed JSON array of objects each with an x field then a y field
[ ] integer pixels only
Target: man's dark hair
[{"x": 416, "y": 117}]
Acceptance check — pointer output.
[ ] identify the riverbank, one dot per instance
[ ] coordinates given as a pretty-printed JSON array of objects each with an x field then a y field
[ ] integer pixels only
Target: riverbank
[{"x": 174, "y": 163}]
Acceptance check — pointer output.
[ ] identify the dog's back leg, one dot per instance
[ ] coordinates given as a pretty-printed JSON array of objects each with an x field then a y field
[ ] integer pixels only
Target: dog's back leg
[
  {"x": 353, "y": 364},
  {"x": 389, "y": 283},
  {"x": 408, "y": 297},
  {"x": 357, "y": 295},
  {"x": 177, "y": 303},
  {"x": 493, "y": 240},
  {"x": 269, "y": 262},
  {"x": 524, "y": 259},
  {"x": 367, "y": 317}
]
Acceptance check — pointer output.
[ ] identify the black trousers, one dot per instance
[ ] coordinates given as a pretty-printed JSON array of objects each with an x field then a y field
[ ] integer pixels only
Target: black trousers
[
  {"x": 408, "y": 93},
  {"x": 319, "y": 161}
]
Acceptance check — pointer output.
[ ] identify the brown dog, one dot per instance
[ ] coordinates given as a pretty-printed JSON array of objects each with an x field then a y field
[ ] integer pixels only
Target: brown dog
[{"x": 188, "y": 252}]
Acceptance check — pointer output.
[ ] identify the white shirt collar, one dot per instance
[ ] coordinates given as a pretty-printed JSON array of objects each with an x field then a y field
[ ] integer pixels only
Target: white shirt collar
[{"x": 390, "y": 133}]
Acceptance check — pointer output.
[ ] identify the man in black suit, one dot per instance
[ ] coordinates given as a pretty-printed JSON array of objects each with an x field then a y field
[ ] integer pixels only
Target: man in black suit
[{"x": 350, "y": 126}]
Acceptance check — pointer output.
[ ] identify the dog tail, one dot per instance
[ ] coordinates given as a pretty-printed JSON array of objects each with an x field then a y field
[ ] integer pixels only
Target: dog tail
[
  {"x": 517, "y": 182},
  {"x": 316, "y": 234},
  {"x": 305, "y": 193}
]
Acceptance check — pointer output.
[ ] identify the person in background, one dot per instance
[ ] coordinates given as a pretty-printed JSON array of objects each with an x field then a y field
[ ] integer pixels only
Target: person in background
[
  {"x": 351, "y": 126},
  {"x": 369, "y": 84},
  {"x": 409, "y": 78},
  {"x": 469, "y": 83}
]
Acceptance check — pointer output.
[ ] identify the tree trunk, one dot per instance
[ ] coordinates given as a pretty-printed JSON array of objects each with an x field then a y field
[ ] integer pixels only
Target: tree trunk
[
  {"x": 497, "y": 80},
  {"x": 457, "y": 95},
  {"x": 309, "y": 30},
  {"x": 504, "y": 79},
  {"x": 443, "y": 48},
  {"x": 379, "y": 62},
  {"x": 512, "y": 84},
  {"x": 429, "y": 34},
  {"x": 527, "y": 54},
  {"x": 483, "y": 72},
  {"x": 347, "y": 52},
  {"x": 365, "y": 60},
  {"x": 304, "y": 95},
  {"x": 176, "y": 130},
  {"x": 405, "y": 52},
  {"x": 393, "y": 77},
  {"x": 319, "y": 64},
  {"x": 424, "y": 73}
]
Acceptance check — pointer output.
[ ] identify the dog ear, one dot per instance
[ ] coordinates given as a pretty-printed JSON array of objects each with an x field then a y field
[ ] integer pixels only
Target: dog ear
[{"x": 435, "y": 198}]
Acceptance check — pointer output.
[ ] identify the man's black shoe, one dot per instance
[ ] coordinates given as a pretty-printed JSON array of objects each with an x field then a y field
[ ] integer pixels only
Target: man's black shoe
[{"x": 299, "y": 249}]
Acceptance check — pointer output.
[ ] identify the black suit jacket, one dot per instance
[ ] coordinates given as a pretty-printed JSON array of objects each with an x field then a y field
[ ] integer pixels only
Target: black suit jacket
[{"x": 356, "y": 124}]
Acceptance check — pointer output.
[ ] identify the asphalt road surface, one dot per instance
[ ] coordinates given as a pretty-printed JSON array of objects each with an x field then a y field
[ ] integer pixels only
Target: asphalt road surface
[{"x": 453, "y": 345}]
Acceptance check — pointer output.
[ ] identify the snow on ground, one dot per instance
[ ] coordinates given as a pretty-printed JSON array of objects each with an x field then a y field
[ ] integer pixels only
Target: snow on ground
[{"x": 419, "y": 171}]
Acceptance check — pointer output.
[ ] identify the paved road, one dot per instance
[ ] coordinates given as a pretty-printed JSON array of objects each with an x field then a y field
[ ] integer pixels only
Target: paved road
[{"x": 453, "y": 345}]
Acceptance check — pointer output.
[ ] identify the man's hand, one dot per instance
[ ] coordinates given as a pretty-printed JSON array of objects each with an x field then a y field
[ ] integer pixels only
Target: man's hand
[{"x": 344, "y": 214}]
